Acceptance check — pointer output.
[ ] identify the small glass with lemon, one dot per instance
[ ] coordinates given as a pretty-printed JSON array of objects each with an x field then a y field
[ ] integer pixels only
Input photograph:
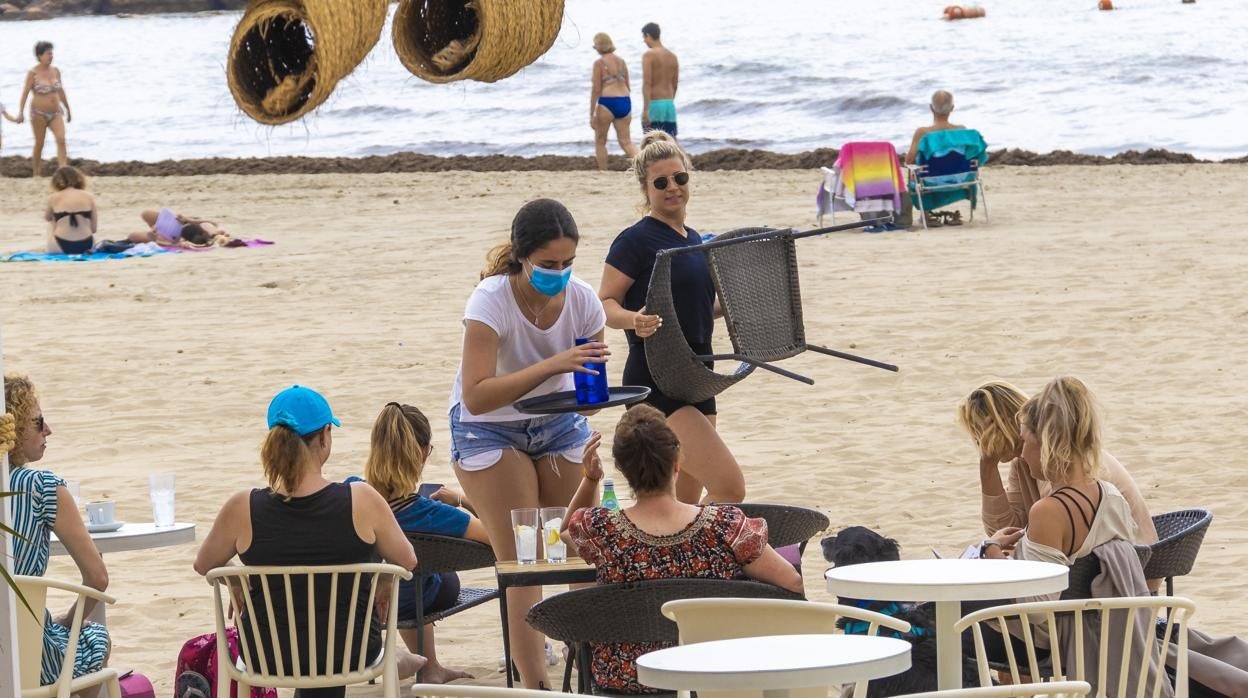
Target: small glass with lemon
[
  {"x": 524, "y": 523},
  {"x": 552, "y": 521}
]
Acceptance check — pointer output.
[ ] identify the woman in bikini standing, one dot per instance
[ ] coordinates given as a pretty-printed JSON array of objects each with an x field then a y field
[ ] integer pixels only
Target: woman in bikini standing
[
  {"x": 45, "y": 108},
  {"x": 609, "y": 102}
]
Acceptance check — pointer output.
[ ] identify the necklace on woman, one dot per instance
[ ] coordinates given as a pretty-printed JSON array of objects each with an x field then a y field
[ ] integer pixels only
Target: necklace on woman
[{"x": 520, "y": 294}]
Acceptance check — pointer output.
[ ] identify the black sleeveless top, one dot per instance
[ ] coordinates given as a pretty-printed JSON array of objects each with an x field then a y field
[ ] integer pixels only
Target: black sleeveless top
[{"x": 312, "y": 530}]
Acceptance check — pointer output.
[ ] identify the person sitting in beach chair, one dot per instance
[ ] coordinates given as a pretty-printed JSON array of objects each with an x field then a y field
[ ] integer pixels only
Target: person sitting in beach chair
[
  {"x": 944, "y": 160},
  {"x": 401, "y": 442},
  {"x": 658, "y": 535},
  {"x": 169, "y": 229}
]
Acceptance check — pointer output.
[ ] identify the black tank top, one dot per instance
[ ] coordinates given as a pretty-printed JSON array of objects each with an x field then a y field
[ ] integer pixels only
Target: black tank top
[{"x": 312, "y": 530}]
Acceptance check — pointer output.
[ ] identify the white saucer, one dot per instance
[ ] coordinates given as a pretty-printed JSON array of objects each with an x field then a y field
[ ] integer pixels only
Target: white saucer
[{"x": 105, "y": 528}]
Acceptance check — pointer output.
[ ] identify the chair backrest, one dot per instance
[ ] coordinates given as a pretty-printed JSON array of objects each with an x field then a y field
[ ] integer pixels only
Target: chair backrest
[
  {"x": 757, "y": 283},
  {"x": 446, "y": 690},
  {"x": 306, "y": 627},
  {"x": 786, "y": 524},
  {"x": 30, "y": 631},
  {"x": 704, "y": 620},
  {"x": 1179, "y": 535},
  {"x": 951, "y": 151},
  {"x": 673, "y": 363},
  {"x": 1057, "y": 689},
  {"x": 1086, "y": 568},
  {"x": 1117, "y": 622},
  {"x": 447, "y": 554},
  {"x": 632, "y": 611}
]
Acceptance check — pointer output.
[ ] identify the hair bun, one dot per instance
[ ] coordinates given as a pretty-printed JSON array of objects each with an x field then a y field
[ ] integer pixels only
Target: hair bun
[{"x": 656, "y": 136}]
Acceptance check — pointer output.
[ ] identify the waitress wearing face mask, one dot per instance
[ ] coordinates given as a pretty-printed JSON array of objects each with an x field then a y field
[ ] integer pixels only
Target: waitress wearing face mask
[{"x": 520, "y": 332}]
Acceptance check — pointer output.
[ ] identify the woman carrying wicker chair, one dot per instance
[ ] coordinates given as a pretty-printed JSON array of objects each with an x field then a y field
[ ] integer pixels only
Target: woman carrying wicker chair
[
  {"x": 401, "y": 443},
  {"x": 660, "y": 537},
  {"x": 662, "y": 170},
  {"x": 990, "y": 415},
  {"x": 520, "y": 330},
  {"x": 609, "y": 100}
]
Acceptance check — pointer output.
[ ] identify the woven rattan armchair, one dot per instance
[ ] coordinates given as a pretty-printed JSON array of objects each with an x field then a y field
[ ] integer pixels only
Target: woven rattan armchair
[
  {"x": 786, "y": 525},
  {"x": 440, "y": 554},
  {"x": 1179, "y": 535},
  {"x": 756, "y": 281},
  {"x": 1087, "y": 567},
  {"x": 629, "y": 612}
]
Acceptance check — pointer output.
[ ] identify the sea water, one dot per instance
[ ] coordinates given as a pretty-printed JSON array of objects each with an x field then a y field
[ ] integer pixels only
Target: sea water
[{"x": 784, "y": 76}]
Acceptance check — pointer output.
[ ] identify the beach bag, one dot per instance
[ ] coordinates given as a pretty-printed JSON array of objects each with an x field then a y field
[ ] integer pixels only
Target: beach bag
[
  {"x": 136, "y": 685},
  {"x": 196, "y": 675}
]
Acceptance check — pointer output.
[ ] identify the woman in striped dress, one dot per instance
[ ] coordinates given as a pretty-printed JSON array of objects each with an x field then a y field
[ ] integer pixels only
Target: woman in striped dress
[{"x": 41, "y": 507}]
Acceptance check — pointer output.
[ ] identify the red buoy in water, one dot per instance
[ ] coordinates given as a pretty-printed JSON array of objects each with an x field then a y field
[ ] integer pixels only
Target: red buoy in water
[
  {"x": 1105, "y": 5},
  {"x": 964, "y": 12}
]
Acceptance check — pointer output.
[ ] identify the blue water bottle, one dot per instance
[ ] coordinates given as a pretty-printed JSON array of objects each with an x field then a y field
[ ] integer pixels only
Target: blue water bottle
[{"x": 591, "y": 389}]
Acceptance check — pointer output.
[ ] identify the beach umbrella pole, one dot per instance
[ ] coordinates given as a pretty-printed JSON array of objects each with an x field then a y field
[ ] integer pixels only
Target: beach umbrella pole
[{"x": 8, "y": 601}]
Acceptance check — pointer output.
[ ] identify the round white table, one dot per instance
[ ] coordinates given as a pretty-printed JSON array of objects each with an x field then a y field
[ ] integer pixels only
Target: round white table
[
  {"x": 773, "y": 664},
  {"x": 136, "y": 536},
  {"x": 947, "y": 582}
]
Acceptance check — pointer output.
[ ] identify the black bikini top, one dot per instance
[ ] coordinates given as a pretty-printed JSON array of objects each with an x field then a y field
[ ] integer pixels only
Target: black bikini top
[
  {"x": 73, "y": 216},
  {"x": 1064, "y": 495}
]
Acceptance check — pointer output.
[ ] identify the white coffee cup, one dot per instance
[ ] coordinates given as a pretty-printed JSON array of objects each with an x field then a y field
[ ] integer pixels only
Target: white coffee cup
[{"x": 100, "y": 513}]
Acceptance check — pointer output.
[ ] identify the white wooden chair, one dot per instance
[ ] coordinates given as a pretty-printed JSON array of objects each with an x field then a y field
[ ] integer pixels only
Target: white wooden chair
[
  {"x": 351, "y": 580},
  {"x": 1127, "y": 616},
  {"x": 703, "y": 620},
  {"x": 30, "y": 641},
  {"x": 445, "y": 690},
  {"x": 1055, "y": 689}
]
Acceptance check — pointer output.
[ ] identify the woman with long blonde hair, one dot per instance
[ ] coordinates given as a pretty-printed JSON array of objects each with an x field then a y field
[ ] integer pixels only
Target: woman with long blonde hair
[{"x": 401, "y": 444}]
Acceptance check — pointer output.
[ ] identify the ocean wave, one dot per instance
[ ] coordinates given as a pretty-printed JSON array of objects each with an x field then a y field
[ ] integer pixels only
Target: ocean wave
[
  {"x": 375, "y": 111},
  {"x": 833, "y": 106},
  {"x": 747, "y": 68}
]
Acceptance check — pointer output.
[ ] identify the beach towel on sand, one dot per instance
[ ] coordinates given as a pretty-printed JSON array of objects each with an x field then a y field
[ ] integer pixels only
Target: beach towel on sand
[{"x": 146, "y": 249}]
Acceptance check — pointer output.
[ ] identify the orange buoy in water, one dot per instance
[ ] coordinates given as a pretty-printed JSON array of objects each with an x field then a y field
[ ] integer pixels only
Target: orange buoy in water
[
  {"x": 964, "y": 12},
  {"x": 1105, "y": 5}
]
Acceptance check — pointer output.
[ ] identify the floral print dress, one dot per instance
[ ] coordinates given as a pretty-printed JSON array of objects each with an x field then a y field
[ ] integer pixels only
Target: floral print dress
[{"x": 715, "y": 545}]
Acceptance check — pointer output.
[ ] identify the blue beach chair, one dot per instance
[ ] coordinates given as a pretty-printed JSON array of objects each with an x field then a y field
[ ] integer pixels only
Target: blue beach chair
[{"x": 946, "y": 170}]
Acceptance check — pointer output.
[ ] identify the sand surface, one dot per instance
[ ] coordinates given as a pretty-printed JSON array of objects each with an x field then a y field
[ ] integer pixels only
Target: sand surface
[{"x": 1118, "y": 274}]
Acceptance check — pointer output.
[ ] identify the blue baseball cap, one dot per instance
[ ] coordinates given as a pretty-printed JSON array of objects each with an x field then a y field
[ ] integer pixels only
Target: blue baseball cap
[{"x": 302, "y": 410}]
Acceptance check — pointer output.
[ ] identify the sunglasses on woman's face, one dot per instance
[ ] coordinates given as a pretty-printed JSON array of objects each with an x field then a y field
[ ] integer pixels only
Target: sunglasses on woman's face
[
  {"x": 681, "y": 179},
  {"x": 40, "y": 422}
]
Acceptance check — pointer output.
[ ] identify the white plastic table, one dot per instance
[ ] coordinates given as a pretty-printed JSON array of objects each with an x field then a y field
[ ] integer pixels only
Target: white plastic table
[
  {"x": 947, "y": 582},
  {"x": 773, "y": 664},
  {"x": 136, "y": 536}
]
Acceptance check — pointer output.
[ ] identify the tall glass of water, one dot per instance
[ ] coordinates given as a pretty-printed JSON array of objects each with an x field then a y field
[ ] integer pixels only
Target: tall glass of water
[
  {"x": 552, "y": 521},
  {"x": 162, "y": 498},
  {"x": 524, "y": 524}
]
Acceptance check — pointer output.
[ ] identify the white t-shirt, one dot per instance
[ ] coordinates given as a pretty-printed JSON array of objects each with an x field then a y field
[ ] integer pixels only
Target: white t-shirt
[{"x": 521, "y": 344}]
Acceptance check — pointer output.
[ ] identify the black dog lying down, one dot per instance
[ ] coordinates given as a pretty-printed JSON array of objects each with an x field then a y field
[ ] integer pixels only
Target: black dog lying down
[{"x": 856, "y": 545}]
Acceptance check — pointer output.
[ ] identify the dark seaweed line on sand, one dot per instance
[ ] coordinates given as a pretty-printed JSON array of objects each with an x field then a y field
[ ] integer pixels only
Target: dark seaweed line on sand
[{"x": 724, "y": 159}]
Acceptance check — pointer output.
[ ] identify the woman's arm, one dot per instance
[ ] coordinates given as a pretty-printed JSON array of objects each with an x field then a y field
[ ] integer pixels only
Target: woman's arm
[
  {"x": 587, "y": 492},
  {"x": 1005, "y": 506},
  {"x": 595, "y": 91},
  {"x": 69, "y": 114},
  {"x": 222, "y": 542},
  {"x": 73, "y": 534},
  {"x": 484, "y": 391},
  {"x": 773, "y": 569},
  {"x": 95, "y": 216},
  {"x": 611, "y": 292},
  {"x": 30, "y": 83},
  {"x": 390, "y": 540}
]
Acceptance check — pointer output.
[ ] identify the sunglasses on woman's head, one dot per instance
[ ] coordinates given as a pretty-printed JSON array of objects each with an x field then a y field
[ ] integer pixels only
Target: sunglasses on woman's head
[{"x": 681, "y": 178}]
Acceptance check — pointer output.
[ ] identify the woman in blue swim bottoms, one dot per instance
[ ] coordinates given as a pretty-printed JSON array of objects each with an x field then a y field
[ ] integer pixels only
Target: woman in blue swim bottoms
[{"x": 609, "y": 103}]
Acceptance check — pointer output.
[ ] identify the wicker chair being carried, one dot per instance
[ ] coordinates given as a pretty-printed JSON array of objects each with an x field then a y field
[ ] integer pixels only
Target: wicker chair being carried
[
  {"x": 629, "y": 612},
  {"x": 756, "y": 281}
]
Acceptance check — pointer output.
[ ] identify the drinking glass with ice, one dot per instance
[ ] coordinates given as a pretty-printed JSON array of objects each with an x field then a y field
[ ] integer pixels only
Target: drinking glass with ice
[
  {"x": 524, "y": 523},
  {"x": 552, "y": 521}
]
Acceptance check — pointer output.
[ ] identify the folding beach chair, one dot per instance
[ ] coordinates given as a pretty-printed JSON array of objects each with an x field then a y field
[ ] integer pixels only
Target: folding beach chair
[
  {"x": 756, "y": 280},
  {"x": 946, "y": 170},
  {"x": 866, "y": 178}
]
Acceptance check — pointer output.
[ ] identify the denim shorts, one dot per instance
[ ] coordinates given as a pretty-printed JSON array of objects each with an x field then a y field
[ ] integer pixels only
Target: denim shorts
[{"x": 479, "y": 445}]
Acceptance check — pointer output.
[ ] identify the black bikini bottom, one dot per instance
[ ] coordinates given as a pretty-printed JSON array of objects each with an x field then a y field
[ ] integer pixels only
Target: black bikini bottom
[{"x": 76, "y": 246}]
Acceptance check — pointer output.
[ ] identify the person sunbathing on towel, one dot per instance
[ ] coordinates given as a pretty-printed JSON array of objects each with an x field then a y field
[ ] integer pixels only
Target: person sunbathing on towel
[{"x": 170, "y": 229}]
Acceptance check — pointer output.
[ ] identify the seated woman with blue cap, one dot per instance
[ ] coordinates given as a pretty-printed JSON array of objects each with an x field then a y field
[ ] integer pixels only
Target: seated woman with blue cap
[{"x": 302, "y": 518}]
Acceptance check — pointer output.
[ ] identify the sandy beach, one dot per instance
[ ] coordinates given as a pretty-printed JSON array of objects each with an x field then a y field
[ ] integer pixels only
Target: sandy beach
[{"x": 1117, "y": 274}]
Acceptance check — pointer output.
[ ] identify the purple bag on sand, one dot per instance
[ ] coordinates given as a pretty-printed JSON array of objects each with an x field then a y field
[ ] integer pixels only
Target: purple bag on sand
[
  {"x": 136, "y": 685},
  {"x": 196, "y": 675}
]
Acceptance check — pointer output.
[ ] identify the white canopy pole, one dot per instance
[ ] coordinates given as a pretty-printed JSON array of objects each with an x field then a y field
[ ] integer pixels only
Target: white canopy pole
[{"x": 9, "y": 676}]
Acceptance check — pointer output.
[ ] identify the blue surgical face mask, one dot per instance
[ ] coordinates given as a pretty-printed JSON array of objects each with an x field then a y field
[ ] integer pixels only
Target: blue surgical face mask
[{"x": 548, "y": 281}]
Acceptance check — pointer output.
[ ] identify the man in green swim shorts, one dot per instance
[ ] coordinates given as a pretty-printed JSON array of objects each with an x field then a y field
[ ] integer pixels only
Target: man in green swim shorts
[{"x": 660, "y": 72}]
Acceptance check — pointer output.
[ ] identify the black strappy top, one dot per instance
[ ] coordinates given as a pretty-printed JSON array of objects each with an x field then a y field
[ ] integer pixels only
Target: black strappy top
[
  {"x": 1066, "y": 497},
  {"x": 73, "y": 216}
]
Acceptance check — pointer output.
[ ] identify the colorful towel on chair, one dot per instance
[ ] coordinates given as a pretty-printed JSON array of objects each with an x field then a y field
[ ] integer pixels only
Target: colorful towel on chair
[
  {"x": 947, "y": 155},
  {"x": 146, "y": 249},
  {"x": 870, "y": 175}
]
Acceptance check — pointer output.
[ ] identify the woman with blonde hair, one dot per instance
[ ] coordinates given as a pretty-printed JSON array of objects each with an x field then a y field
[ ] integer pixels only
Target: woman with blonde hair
[
  {"x": 42, "y": 506},
  {"x": 662, "y": 169},
  {"x": 303, "y": 519},
  {"x": 990, "y": 414},
  {"x": 401, "y": 444},
  {"x": 521, "y": 324},
  {"x": 609, "y": 100},
  {"x": 71, "y": 213}
]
